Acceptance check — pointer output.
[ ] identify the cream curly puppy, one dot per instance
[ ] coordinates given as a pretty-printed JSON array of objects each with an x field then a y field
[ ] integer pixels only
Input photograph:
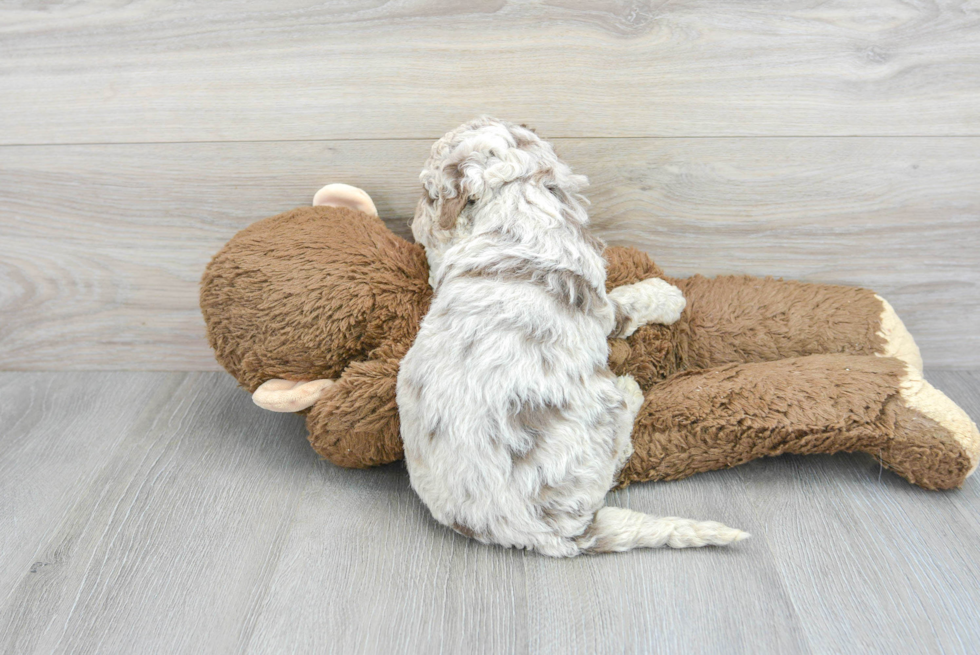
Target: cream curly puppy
[{"x": 514, "y": 428}]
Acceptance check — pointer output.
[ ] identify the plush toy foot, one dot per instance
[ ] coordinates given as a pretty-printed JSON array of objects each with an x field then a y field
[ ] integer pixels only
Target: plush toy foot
[
  {"x": 345, "y": 195},
  {"x": 898, "y": 342},
  {"x": 289, "y": 395},
  {"x": 935, "y": 444}
]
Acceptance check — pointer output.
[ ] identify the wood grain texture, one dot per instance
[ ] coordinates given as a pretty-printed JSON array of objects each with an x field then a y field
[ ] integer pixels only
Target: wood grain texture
[
  {"x": 657, "y": 601},
  {"x": 50, "y": 453},
  {"x": 170, "y": 545},
  {"x": 865, "y": 537},
  {"x": 102, "y": 247},
  {"x": 99, "y": 72},
  {"x": 434, "y": 591},
  {"x": 194, "y": 522}
]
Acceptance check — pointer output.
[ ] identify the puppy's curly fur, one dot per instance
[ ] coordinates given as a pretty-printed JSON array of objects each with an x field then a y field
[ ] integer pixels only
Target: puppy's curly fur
[{"x": 514, "y": 428}]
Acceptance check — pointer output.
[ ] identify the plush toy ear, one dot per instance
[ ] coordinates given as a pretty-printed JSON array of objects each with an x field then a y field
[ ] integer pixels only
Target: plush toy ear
[
  {"x": 345, "y": 195},
  {"x": 289, "y": 396},
  {"x": 450, "y": 211}
]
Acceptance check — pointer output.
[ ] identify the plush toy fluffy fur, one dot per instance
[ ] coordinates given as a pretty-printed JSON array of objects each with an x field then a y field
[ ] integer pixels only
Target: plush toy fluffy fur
[
  {"x": 514, "y": 428},
  {"x": 754, "y": 367}
]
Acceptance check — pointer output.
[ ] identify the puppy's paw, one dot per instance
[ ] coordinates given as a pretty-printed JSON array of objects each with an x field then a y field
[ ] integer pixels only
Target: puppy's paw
[
  {"x": 631, "y": 392},
  {"x": 649, "y": 301},
  {"x": 659, "y": 302}
]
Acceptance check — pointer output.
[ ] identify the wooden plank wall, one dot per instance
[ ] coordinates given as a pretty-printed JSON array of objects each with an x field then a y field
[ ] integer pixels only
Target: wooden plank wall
[{"x": 833, "y": 142}]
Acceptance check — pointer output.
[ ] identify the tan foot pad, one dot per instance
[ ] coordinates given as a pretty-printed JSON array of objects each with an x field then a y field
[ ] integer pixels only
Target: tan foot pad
[
  {"x": 289, "y": 395},
  {"x": 898, "y": 342}
]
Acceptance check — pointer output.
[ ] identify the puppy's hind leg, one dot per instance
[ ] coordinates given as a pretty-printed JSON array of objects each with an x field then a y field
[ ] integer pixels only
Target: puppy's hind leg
[
  {"x": 633, "y": 396},
  {"x": 616, "y": 529}
]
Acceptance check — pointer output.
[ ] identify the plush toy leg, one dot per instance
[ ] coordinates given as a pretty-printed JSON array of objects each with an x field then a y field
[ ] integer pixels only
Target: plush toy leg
[
  {"x": 345, "y": 195},
  {"x": 710, "y": 419},
  {"x": 356, "y": 423}
]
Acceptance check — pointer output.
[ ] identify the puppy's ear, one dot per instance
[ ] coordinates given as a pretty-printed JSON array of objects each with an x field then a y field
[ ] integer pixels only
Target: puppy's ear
[{"x": 450, "y": 211}]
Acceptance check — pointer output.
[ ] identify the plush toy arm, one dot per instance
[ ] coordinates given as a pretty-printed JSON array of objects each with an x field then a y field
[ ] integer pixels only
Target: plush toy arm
[
  {"x": 355, "y": 422},
  {"x": 650, "y": 301},
  {"x": 703, "y": 420},
  {"x": 736, "y": 318}
]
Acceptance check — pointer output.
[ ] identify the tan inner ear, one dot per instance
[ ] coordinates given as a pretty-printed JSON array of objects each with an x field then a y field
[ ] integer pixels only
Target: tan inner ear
[
  {"x": 450, "y": 211},
  {"x": 289, "y": 395},
  {"x": 345, "y": 195}
]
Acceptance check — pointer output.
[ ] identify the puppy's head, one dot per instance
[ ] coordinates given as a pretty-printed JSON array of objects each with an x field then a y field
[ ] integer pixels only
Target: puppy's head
[{"x": 472, "y": 166}]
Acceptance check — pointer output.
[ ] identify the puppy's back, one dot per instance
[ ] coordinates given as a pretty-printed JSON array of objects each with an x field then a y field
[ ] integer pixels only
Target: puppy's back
[{"x": 508, "y": 414}]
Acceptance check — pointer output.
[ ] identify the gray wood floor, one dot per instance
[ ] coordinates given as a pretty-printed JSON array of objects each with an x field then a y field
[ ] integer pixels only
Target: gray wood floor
[{"x": 163, "y": 512}]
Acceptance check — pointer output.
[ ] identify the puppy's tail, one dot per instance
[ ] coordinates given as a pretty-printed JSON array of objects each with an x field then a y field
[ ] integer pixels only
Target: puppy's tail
[{"x": 615, "y": 529}]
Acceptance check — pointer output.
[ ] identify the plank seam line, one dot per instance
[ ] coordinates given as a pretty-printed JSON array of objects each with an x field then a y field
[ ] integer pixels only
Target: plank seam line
[{"x": 550, "y": 138}]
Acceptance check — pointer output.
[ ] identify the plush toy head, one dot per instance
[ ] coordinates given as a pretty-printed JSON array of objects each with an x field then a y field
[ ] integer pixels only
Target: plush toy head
[{"x": 302, "y": 295}]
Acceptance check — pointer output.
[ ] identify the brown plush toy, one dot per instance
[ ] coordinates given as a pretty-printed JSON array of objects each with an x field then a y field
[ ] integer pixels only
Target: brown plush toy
[{"x": 313, "y": 309}]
